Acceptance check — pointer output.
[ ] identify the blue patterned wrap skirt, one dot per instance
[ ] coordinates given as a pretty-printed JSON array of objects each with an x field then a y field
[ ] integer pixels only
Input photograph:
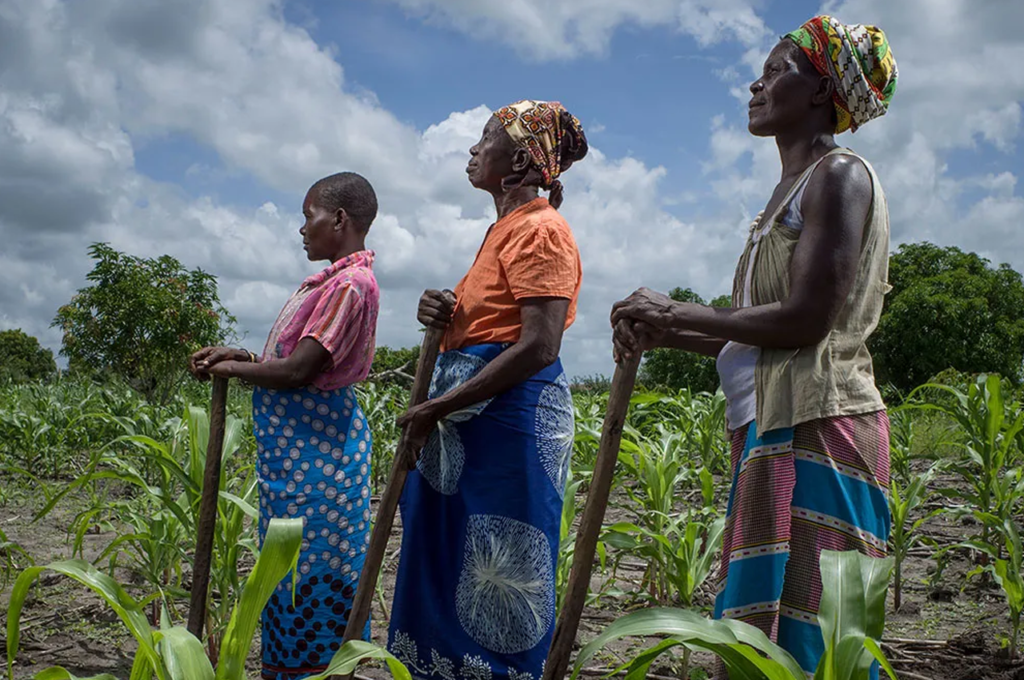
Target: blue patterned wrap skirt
[
  {"x": 313, "y": 462},
  {"x": 475, "y": 594}
]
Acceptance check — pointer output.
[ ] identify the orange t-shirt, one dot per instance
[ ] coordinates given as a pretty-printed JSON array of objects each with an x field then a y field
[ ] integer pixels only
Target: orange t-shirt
[{"x": 528, "y": 253}]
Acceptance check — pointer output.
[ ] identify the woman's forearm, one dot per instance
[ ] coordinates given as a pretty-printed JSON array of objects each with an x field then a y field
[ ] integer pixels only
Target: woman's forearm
[
  {"x": 276, "y": 374},
  {"x": 772, "y": 325},
  {"x": 516, "y": 364},
  {"x": 692, "y": 341}
]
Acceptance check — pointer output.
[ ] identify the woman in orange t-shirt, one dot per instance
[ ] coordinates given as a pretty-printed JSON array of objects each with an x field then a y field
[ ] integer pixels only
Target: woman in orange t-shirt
[{"x": 475, "y": 594}]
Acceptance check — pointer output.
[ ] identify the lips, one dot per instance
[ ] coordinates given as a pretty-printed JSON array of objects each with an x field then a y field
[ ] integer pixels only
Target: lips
[{"x": 755, "y": 104}]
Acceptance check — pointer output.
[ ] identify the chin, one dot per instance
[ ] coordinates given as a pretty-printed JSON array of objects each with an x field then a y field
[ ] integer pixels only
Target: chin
[{"x": 759, "y": 129}]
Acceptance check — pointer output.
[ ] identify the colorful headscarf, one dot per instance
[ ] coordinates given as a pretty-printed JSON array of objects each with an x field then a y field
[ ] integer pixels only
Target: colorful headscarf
[
  {"x": 537, "y": 127},
  {"x": 858, "y": 60}
]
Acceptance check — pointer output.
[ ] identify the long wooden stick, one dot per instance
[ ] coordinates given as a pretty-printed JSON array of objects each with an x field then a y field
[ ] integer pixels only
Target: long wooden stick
[
  {"x": 593, "y": 516},
  {"x": 208, "y": 509},
  {"x": 392, "y": 493}
]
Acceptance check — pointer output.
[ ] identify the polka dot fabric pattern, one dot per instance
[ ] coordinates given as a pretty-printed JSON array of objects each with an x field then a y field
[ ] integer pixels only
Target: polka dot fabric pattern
[{"x": 314, "y": 451}]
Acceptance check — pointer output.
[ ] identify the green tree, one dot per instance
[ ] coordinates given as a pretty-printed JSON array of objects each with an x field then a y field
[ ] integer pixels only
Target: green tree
[
  {"x": 141, "y": 319},
  {"x": 948, "y": 309},
  {"x": 673, "y": 369},
  {"x": 23, "y": 359},
  {"x": 394, "y": 366}
]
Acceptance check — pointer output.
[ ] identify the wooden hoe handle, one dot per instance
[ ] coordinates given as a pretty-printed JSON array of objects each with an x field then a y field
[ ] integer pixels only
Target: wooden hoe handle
[
  {"x": 593, "y": 517},
  {"x": 392, "y": 493},
  {"x": 208, "y": 508}
]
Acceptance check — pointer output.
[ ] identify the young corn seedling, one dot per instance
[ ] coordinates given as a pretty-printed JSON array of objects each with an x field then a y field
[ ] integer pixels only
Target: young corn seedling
[
  {"x": 679, "y": 560},
  {"x": 903, "y": 503},
  {"x": 8, "y": 551},
  {"x": 171, "y": 652},
  {"x": 155, "y": 527},
  {"x": 989, "y": 428},
  {"x": 901, "y": 443},
  {"x": 1007, "y": 570},
  {"x": 851, "y": 616}
]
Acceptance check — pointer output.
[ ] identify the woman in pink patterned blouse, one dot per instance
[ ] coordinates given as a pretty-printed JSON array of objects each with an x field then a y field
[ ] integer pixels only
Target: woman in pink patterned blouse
[{"x": 312, "y": 438}]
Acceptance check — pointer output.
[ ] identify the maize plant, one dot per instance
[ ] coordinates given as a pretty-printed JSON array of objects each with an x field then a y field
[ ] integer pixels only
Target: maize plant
[
  {"x": 1007, "y": 568},
  {"x": 988, "y": 430},
  {"x": 851, "y": 616},
  {"x": 8, "y": 551},
  {"x": 171, "y": 652},
  {"x": 155, "y": 527},
  {"x": 903, "y": 502}
]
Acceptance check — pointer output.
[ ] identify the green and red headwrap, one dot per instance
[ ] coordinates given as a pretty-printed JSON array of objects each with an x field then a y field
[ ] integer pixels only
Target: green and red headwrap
[{"x": 858, "y": 60}]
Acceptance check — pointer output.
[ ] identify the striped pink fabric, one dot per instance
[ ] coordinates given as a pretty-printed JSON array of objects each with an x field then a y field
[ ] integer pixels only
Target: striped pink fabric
[
  {"x": 338, "y": 308},
  {"x": 819, "y": 486}
]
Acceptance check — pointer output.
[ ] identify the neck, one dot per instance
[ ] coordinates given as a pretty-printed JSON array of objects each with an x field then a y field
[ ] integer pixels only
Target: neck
[
  {"x": 798, "y": 151},
  {"x": 347, "y": 249},
  {"x": 505, "y": 203}
]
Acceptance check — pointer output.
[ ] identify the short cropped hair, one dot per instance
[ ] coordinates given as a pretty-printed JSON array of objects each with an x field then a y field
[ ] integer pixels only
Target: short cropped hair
[{"x": 352, "y": 192}]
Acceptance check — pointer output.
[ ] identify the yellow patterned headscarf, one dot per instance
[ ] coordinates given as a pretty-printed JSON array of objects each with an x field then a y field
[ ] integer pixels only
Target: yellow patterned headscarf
[
  {"x": 858, "y": 60},
  {"x": 539, "y": 128}
]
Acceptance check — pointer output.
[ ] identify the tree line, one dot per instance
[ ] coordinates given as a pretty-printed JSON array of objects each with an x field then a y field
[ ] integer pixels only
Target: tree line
[{"x": 139, "y": 319}]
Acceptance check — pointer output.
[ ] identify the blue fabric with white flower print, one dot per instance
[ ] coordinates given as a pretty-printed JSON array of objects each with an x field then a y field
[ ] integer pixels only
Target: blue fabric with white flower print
[
  {"x": 313, "y": 463},
  {"x": 475, "y": 593}
]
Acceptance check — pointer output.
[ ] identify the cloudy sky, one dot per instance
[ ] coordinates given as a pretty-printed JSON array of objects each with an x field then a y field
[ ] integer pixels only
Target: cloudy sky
[{"x": 194, "y": 127}]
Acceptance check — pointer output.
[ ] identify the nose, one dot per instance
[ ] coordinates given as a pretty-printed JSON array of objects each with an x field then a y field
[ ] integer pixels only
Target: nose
[
  {"x": 474, "y": 150},
  {"x": 302, "y": 229},
  {"x": 756, "y": 86}
]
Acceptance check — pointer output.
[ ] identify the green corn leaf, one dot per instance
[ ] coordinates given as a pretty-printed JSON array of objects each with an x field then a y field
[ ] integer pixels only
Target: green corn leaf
[
  {"x": 875, "y": 574},
  {"x": 637, "y": 669},
  {"x": 251, "y": 512},
  {"x": 278, "y": 557},
  {"x": 757, "y": 640},
  {"x": 353, "y": 652},
  {"x": 876, "y": 651},
  {"x": 124, "y": 606},
  {"x": 1011, "y": 583},
  {"x": 184, "y": 655},
  {"x": 691, "y": 628},
  {"x": 59, "y": 673}
]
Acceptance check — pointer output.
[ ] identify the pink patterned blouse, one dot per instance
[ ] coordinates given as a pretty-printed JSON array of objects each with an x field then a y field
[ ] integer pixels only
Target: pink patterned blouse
[{"x": 338, "y": 308}]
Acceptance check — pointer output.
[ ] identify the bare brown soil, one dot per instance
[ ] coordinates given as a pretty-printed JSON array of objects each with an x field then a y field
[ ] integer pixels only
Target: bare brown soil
[{"x": 947, "y": 632}]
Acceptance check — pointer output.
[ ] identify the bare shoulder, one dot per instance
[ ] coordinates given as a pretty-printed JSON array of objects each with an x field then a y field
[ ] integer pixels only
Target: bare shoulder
[
  {"x": 842, "y": 176},
  {"x": 840, "y": 188}
]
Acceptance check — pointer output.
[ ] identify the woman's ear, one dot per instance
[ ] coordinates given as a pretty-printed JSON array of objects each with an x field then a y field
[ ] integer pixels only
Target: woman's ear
[
  {"x": 825, "y": 90},
  {"x": 521, "y": 160},
  {"x": 341, "y": 219}
]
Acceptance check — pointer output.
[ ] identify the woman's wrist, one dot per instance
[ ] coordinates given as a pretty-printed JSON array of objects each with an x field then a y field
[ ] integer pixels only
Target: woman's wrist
[
  {"x": 438, "y": 408},
  {"x": 245, "y": 356}
]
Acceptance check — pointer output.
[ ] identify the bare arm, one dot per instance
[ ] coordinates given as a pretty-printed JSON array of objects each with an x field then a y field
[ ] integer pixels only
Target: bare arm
[
  {"x": 543, "y": 323},
  {"x": 692, "y": 341},
  {"x": 298, "y": 369},
  {"x": 824, "y": 266}
]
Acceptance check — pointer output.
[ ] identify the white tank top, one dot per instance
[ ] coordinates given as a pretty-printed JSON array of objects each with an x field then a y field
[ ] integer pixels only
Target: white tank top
[{"x": 736, "y": 362}]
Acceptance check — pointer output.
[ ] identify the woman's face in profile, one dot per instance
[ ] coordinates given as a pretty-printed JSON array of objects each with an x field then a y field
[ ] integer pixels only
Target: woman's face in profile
[
  {"x": 319, "y": 237},
  {"x": 491, "y": 158},
  {"x": 781, "y": 97}
]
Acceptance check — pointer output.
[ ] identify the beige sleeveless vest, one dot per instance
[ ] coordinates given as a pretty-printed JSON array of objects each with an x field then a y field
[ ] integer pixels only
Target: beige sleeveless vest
[{"x": 834, "y": 377}]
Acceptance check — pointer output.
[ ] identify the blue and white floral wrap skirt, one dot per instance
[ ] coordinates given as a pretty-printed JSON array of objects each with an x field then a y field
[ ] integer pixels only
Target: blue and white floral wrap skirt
[{"x": 475, "y": 594}]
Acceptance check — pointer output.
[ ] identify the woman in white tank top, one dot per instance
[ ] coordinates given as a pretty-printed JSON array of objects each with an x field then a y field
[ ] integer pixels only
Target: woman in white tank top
[{"x": 809, "y": 430}]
